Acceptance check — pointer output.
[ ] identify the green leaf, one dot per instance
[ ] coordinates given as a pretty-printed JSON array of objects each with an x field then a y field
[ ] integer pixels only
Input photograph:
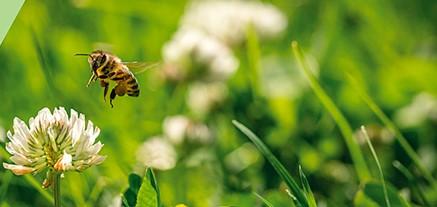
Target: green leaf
[
  {"x": 279, "y": 168},
  {"x": 372, "y": 194},
  {"x": 265, "y": 201},
  {"x": 147, "y": 196},
  {"x": 130, "y": 195},
  {"x": 306, "y": 187},
  {"x": 151, "y": 176},
  {"x": 344, "y": 126}
]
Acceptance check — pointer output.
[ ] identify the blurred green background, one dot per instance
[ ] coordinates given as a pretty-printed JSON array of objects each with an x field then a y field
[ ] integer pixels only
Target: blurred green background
[{"x": 389, "y": 46}]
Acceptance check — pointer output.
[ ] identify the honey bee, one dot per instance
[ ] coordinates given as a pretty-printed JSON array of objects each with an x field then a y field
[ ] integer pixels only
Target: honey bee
[{"x": 106, "y": 67}]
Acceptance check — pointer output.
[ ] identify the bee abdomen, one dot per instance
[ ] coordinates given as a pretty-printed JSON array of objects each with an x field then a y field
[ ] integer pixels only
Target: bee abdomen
[
  {"x": 119, "y": 75},
  {"x": 132, "y": 87}
]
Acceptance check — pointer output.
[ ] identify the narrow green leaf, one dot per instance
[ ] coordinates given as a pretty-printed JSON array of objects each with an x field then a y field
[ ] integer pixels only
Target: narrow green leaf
[
  {"x": 151, "y": 176},
  {"x": 6, "y": 179},
  {"x": 412, "y": 181},
  {"x": 279, "y": 168},
  {"x": 392, "y": 127},
  {"x": 306, "y": 187},
  {"x": 147, "y": 196},
  {"x": 253, "y": 55},
  {"x": 265, "y": 201},
  {"x": 35, "y": 184},
  {"x": 381, "y": 175},
  {"x": 346, "y": 130}
]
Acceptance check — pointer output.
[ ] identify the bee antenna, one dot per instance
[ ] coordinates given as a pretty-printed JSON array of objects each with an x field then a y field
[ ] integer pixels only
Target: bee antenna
[{"x": 81, "y": 54}]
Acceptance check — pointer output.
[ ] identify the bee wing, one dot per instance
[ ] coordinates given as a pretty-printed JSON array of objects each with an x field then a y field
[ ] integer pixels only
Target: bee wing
[{"x": 139, "y": 67}]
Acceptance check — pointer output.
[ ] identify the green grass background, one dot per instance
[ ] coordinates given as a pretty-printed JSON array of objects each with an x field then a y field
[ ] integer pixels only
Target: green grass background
[{"x": 390, "y": 47}]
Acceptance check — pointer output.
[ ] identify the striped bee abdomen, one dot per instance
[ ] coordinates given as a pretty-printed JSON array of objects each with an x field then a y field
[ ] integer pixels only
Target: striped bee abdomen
[{"x": 132, "y": 87}]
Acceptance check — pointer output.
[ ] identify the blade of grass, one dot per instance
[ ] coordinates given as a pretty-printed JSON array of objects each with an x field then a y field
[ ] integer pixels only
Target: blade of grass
[
  {"x": 6, "y": 179},
  {"x": 265, "y": 201},
  {"x": 412, "y": 181},
  {"x": 35, "y": 184},
  {"x": 392, "y": 127},
  {"x": 306, "y": 187},
  {"x": 279, "y": 168},
  {"x": 346, "y": 130},
  {"x": 253, "y": 55},
  {"x": 381, "y": 175}
]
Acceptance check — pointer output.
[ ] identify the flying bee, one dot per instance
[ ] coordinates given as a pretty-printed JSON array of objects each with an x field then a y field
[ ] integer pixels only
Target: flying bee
[{"x": 107, "y": 67}]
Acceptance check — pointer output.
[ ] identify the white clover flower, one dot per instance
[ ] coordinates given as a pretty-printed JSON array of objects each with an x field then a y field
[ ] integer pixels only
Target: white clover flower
[
  {"x": 179, "y": 128},
  {"x": 229, "y": 20},
  {"x": 53, "y": 141},
  {"x": 175, "y": 128},
  {"x": 192, "y": 48},
  {"x": 423, "y": 107},
  {"x": 157, "y": 153},
  {"x": 203, "y": 97}
]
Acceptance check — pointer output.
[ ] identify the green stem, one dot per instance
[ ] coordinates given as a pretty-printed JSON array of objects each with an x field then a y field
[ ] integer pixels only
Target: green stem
[
  {"x": 57, "y": 189},
  {"x": 392, "y": 127},
  {"x": 344, "y": 126}
]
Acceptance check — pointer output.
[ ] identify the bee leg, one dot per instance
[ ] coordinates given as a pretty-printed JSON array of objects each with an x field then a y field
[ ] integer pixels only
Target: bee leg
[
  {"x": 105, "y": 91},
  {"x": 92, "y": 78},
  {"x": 112, "y": 97}
]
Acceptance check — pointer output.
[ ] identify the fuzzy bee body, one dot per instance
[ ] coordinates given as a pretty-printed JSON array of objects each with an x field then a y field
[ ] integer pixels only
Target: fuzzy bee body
[{"x": 107, "y": 67}]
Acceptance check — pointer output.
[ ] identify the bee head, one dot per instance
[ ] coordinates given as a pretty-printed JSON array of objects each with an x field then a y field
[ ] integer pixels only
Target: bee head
[{"x": 97, "y": 59}]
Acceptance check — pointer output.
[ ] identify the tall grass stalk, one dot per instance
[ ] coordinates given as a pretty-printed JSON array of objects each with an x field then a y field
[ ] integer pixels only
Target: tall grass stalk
[
  {"x": 297, "y": 193},
  {"x": 35, "y": 184},
  {"x": 265, "y": 201},
  {"x": 253, "y": 56},
  {"x": 346, "y": 130},
  {"x": 392, "y": 127},
  {"x": 381, "y": 175}
]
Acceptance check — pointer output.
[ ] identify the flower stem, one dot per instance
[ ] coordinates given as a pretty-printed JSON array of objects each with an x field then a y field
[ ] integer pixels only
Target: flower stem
[{"x": 57, "y": 189}]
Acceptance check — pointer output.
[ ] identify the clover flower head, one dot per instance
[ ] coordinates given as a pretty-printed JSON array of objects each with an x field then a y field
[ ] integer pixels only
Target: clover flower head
[
  {"x": 192, "y": 48},
  {"x": 54, "y": 142},
  {"x": 228, "y": 20},
  {"x": 157, "y": 153},
  {"x": 179, "y": 128},
  {"x": 203, "y": 97}
]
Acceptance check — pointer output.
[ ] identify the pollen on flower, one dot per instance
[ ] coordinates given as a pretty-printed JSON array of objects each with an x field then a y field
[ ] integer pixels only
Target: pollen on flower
[{"x": 53, "y": 141}]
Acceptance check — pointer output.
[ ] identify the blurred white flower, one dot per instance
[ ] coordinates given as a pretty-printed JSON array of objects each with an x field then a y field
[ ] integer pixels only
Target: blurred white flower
[
  {"x": 228, "y": 20},
  {"x": 2, "y": 134},
  {"x": 157, "y": 153},
  {"x": 180, "y": 128},
  {"x": 53, "y": 141},
  {"x": 175, "y": 128},
  {"x": 424, "y": 106},
  {"x": 203, "y": 97},
  {"x": 191, "y": 48},
  {"x": 283, "y": 78}
]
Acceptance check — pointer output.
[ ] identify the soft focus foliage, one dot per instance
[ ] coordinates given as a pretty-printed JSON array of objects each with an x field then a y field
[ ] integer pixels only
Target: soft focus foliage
[{"x": 210, "y": 75}]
